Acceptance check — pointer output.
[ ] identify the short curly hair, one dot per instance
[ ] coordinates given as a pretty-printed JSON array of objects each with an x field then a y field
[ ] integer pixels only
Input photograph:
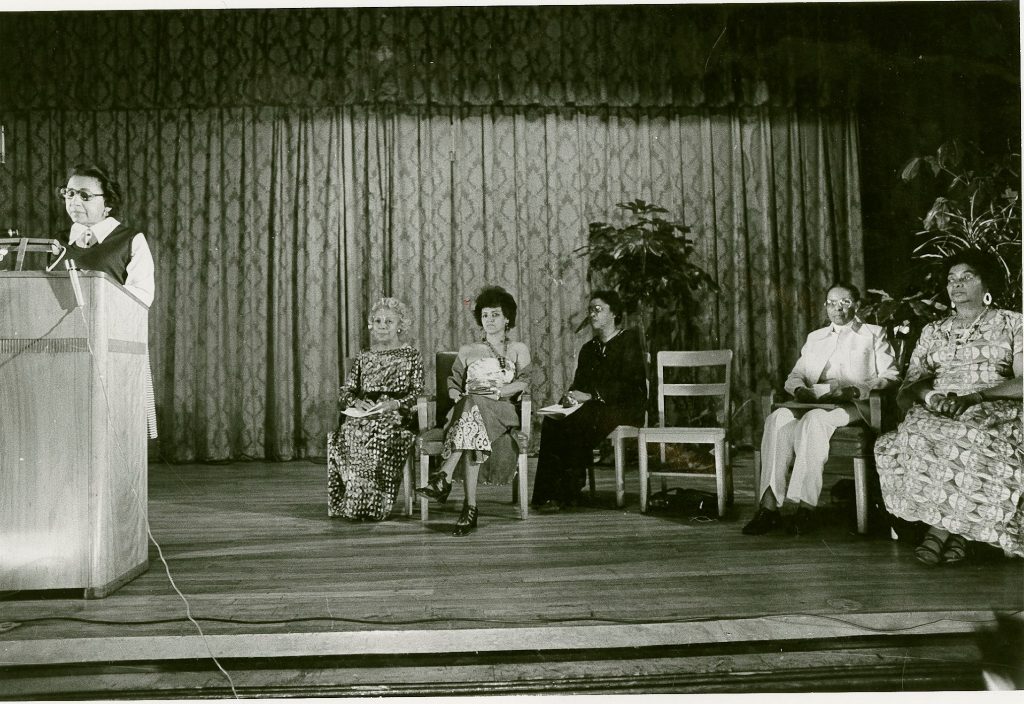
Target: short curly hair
[
  {"x": 113, "y": 195},
  {"x": 496, "y": 297},
  {"x": 396, "y": 307},
  {"x": 983, "y": 264}
]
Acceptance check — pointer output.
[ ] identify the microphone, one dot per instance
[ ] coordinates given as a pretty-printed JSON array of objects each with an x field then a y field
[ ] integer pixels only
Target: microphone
[{"x": 76, "y": 284}]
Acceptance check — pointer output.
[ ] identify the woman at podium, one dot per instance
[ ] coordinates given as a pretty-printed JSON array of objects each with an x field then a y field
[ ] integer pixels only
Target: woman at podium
[{"x": 98, "y": 241}]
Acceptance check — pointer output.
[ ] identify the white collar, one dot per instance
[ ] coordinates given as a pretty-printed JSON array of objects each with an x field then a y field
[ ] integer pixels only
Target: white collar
[{"x": 100, "y": 230}]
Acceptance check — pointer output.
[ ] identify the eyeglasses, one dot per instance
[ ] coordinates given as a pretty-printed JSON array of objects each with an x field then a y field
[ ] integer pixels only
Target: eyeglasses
[
  {"x": 966, "y": 278},
  {"x": 842, "y": 303},
  {"x": 597, "y": 309},
  {"x": 70, "y": 193}
]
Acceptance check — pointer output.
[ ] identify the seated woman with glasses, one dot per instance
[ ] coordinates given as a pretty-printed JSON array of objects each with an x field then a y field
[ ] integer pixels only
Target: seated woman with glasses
[
  {"x": 839, "y": 364},
  {"x": 98, "y": 241},
  {"x": 955, "y": 462},
  {"x": 609, "y": 389},
  {"x": 365, "y": 455},
  {"x": 486, "y": 378}
]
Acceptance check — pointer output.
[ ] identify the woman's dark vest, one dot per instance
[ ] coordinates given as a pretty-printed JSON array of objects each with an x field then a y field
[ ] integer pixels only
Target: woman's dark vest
[{"x": 111, "y": 256}]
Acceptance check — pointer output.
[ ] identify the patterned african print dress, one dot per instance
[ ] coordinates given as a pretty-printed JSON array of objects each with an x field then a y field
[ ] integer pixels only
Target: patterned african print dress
[
  {"x": 963, "y": 475},
  {"x": 365, "y": 455},
  {"x": 483, "y": 425}
]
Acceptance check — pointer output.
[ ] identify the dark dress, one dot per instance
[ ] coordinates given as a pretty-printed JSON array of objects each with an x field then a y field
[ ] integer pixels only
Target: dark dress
[{"x": 614, "y": 375}]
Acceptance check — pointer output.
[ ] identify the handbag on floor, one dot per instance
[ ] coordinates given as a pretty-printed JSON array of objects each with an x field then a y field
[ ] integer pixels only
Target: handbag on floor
[{"x": 684, "y": 502}]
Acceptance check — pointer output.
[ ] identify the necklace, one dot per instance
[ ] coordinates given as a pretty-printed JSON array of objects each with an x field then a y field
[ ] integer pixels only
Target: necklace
[
  {"x": 961, "y": 335},
  {"x": 502, "y": 360}
]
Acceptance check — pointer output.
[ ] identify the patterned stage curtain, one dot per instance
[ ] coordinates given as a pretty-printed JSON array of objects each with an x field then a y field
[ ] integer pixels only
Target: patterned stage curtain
[{"x": 274, "y": 228}]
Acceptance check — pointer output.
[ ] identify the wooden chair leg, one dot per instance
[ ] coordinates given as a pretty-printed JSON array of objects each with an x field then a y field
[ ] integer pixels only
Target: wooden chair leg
[
  {"x": 757, "y": 477},
  {"x": 424, "y": 478},
  {"x": 590, "y": 480},
  {"x": 407, "y": 488},
  {"x": 720, "y": 483},
  {"x": 860, "y": 491},
  {"x": 643, "y": 472},
  {"x": 523, "y": 484},
  {"x": 618, "y": 445}
]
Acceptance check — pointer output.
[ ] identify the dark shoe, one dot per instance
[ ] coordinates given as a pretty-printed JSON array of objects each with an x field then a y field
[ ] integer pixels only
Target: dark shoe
[
  {"x": 802, "y": 522},
  {"x": 764, "y": 520},
  {"x": 467, "y": 521},
  {"x": 955, "y": 550},
  {"x": 930, "y": 550},
  {"x": 550, "y": 506},
  {"x": 437, "y": 488}
]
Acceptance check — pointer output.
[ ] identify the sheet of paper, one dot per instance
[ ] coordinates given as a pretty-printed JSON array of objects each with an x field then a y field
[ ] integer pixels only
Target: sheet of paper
[
  {"x": 356, "y": 413},
  {"x": 559, "y": 411}
]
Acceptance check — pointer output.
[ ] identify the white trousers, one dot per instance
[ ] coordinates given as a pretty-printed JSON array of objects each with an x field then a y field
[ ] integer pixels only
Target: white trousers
[{"x": 800, "y": 442}]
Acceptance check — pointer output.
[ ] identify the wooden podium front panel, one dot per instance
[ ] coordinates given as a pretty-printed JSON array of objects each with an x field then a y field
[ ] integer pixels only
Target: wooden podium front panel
[{"x": 72, "y": 433}]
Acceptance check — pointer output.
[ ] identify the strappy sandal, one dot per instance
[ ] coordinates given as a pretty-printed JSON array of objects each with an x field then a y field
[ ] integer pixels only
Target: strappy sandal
[
  {"x": 930, "y": 550},
  {"x": 955, "y": 550}
]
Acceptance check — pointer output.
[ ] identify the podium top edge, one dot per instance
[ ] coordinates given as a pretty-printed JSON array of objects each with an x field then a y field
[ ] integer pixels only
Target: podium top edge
[
  {"x": 65, "y": 275},
  {"x": 58, "y": 274}
]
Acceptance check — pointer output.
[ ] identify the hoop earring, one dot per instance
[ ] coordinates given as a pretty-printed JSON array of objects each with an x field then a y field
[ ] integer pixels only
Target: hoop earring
[{"x": 987, "y": 298}]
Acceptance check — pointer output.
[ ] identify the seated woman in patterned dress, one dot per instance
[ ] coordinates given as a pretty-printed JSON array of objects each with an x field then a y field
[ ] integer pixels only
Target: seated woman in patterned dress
[
  {"x": 955, "y": 461},
  {"x": 486, "y": 378},
  {"x": 365, "y": 455}
]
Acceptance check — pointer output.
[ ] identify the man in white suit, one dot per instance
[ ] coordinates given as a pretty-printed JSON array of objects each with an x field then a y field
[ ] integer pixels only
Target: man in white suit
[{"x": 839, "y": 364}]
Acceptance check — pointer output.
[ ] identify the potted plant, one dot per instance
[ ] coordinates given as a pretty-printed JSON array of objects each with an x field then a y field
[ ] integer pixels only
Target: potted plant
[
  {"x": 648, "y": 261},
  {"x": 980, "y": 209}
]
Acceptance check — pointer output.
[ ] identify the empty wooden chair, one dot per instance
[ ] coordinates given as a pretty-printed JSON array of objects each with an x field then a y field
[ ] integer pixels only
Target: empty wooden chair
[{"x": 716, "y": 436}]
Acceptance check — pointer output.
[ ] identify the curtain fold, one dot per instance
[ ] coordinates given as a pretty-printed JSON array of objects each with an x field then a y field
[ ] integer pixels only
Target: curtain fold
[{"x": 275, "y": 228}]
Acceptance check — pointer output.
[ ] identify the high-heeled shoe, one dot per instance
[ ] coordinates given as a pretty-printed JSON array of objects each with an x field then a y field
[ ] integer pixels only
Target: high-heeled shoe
[
  {"x": 467, "y": 521},
  {"x": 438, "y": 487}
]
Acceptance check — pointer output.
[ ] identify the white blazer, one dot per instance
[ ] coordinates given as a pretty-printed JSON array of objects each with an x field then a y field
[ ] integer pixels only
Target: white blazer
[{"x": 869, "y": 362}]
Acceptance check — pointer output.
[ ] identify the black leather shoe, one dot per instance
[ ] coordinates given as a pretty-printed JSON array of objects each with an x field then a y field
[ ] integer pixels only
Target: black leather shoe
[
  {"x": 467, "y": 521},
  {"x": 437, "y": 488},
  {"x": 549, "y": 506},
  {"x": 764, "y": 520},
  {"x": 802, "y": 523}
]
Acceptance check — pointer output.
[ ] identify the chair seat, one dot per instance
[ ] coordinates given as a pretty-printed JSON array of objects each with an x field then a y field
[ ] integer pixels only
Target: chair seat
[
  {"x": 851, "y": 442},
  {"x": 697, "y": 435},
  {"x": 430, "y": 441},
  {"x": 623, "y": 432}
]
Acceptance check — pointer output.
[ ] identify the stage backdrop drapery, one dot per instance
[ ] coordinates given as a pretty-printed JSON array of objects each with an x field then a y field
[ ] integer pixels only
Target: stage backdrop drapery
[{"x": 274, "y": 228}]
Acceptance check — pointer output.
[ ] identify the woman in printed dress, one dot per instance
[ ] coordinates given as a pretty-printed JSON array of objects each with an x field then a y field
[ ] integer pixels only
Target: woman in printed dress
[
  {"x": 486, "y": 378},
  {"x": 365, "y": 455},
  {"x": 955, "y": 461}
]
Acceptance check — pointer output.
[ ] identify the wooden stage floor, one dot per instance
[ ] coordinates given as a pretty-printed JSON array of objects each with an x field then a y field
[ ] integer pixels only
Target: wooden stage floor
[{"x": 597, "y": 599}]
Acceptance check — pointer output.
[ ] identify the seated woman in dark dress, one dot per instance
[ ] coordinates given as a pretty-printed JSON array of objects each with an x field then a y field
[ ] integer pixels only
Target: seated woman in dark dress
[{"x": 611, "y": 385}]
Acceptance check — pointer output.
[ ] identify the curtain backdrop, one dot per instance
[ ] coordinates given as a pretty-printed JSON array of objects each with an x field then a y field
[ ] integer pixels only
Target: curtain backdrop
[
  {"x": 615, "y": 56},
  {"x": 274, "y": 228}
]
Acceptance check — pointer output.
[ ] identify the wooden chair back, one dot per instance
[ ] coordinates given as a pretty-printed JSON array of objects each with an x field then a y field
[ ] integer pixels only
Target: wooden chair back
[
  {"x": 691, "y": 360},
  {"x": 443, "y": 363}
]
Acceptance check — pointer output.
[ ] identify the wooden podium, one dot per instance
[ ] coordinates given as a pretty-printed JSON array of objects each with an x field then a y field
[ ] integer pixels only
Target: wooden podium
[{"x": 73, "y": 474}]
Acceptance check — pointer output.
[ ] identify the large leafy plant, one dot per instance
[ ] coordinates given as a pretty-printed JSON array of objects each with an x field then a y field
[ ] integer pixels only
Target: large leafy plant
[
  {"x": 648, "y": 261},
  {"x": 980, "y": 210}
]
